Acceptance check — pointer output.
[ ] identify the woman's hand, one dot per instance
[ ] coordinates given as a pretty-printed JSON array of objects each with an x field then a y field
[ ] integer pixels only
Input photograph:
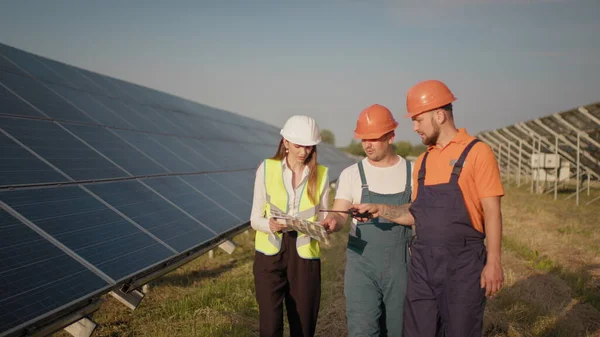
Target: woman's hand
[{"x": 275, "y": 226}]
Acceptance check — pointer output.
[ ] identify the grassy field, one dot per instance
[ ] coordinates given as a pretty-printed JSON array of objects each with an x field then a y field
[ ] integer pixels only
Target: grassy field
[{"x": 552, "y": 271}]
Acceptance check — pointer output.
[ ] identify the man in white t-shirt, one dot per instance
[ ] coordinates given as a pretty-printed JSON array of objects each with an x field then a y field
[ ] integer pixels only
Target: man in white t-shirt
[{"x": 377, "y": 254}]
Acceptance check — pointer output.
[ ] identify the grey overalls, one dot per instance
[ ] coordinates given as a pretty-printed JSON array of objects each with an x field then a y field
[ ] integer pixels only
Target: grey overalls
[{"x": 377, "y": 268}]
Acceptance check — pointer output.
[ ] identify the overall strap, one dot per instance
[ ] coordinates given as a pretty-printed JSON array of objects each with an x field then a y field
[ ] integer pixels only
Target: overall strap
[
  {"x": 408, "y": 176},
  {"x": 422, "y": 171},
  {"x": 458, "y": 166},
  {"x": 365, "y": 196}
]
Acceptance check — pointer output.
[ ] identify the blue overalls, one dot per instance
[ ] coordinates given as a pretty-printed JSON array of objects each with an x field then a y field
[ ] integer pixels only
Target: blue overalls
[
  {"x": 447, "y": 259},
  {"x": 376, "y": 268}
]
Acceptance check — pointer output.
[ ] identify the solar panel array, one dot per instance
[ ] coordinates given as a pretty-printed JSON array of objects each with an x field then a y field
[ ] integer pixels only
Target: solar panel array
[
  {"x": 574, "y": 135},
  {"x": 102, "y": 180}
]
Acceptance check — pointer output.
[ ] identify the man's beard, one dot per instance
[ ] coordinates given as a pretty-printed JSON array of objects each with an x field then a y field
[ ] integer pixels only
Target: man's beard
[{"x": 432, "y": 140}]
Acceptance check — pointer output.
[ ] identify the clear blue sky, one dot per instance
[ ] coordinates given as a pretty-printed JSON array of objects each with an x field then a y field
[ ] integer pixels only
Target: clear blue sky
[{"x": 505, "y": 60}]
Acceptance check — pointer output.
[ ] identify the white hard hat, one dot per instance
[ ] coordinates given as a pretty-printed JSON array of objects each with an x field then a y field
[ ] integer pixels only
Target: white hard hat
[{"x": 301, "y": 130}]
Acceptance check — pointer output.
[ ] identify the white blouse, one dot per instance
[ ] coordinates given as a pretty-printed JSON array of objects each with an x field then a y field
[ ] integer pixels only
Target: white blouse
[{"x": 258, "y": 221}]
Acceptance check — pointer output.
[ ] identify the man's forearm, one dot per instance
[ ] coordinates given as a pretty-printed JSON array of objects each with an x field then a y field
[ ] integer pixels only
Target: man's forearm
[
  {"x": 493, "y": 228},
  {"x": 493, "y": 233},
  {"x": 398, "y": 214}
]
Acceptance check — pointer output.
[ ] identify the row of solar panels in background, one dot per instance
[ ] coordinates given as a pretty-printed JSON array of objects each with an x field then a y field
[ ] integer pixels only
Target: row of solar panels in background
[
  {"x": 565, "y": 125},
  {"x": 147, "y": 178}
]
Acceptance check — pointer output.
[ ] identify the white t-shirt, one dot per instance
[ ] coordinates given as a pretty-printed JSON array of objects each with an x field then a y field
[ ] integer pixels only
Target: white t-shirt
[{"x": 382, "y": 180}]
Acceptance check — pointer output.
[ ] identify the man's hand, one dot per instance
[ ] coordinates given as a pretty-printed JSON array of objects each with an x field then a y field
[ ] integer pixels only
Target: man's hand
[
  {"x": 399, "y": 214},
  {"x": 375, "y": 210},
  {"x": 492, "y": 277},
  {"x": 330, "y": 224},
  {"x": 275, "y": 226}
]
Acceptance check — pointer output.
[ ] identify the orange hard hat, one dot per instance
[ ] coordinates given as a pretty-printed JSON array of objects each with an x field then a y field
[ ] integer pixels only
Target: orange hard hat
[
  {"x": 374, "y": 122},
  {"x": 427, "y": 95}
]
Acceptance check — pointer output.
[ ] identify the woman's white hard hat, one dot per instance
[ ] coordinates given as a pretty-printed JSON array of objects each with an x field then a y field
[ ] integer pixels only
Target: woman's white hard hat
[{"x": 301, "y": 130}]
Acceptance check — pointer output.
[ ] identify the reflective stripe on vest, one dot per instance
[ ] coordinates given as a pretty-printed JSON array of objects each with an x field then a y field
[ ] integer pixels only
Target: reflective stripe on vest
[{"x": 277, "y": 199}]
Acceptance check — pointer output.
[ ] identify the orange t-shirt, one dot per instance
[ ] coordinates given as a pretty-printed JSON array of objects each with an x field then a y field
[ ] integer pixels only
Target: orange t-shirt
[{"x": 480, "y": 176}]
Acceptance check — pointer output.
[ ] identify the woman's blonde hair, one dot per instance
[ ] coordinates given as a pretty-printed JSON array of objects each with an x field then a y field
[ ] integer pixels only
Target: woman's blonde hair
[{"x": 311, "y": 162}]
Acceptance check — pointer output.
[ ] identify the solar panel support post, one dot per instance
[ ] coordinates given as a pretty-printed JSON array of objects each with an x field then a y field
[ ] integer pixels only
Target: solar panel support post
[
  {"x": 556, "y": 169},
  {"x": 228, "y": 246},
  {"x": 69, "y": 320},
  {"x": 82, "y": 328},
  {"x": 520, "y": 159},
  {"x": 211, "y": 254},
  {"x": 539, "y": 152},
  {"x": 130, "y": 299},
  {"x": 588, "y": 182},
  {"x": 533, "y": 169},
  {"x": 578, "y": 168},
  {"x": 511, "y": 144},
  {"x": 509, "y": 165}
]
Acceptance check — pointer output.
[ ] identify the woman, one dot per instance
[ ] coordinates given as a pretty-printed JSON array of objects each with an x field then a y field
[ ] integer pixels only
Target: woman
[{"x": 287, "y": 266}]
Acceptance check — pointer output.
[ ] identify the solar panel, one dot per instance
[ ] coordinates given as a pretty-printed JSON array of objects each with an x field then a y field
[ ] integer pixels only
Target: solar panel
[
  {"x": 61, "y": 149},
  {"x": 89, "y": 228},
  {"x": 31, "y": 64},
  {"x": 105, "y": 184},
  {"x": 71, "y": 75},
  {"x": 97, "y": 112},
  {"x": 200, "y": 206},
  {"x": 36, "y": 276},
  {"x": 108, "y": 143},
  {"x": 18, "y": 166},
  {"x": 13, "y": 105},
  {"x": 154, "y": 213},
  {"x": 40, "y": 96}
]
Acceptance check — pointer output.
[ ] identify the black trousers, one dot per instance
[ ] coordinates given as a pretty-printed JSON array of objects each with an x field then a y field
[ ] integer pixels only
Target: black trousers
[{"x": 287, "y": 278}]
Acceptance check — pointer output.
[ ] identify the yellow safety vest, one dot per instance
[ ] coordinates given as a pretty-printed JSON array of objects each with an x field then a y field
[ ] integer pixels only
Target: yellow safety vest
[{"x": 277, "y": 198}]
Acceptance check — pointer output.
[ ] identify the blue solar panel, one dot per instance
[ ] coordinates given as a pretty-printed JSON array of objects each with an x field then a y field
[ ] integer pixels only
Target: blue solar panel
[
  {"x": 71, "y": 75},
  {"x": 31, "y": 64},
  {"x": 97, "y": 112},
  {"x": 147, "y": 143},
  {"x": 137, "y": 93},
  {"x": 229, "y": 155},
  {"x": 213, "y": 215},
  {"x": 61, "y": 149},
  {"x": 116, "y": 150},
  {"x": 36, "y": 277},
  {"x": 227, "y": 198},
  {"x": 7, "y": 65},
  {"x": 152, "y": 212},
  {"x": 197, "y": 156},
  {"x": 131, "y": 116},
  {"x": 199, "y": 127},
  {"x": 42, "y": 98},
  {"x": 106, "y": 85},
  {"x": 154, "y": 117},
  {"x": 19, "y": 166},
  {"x": 89, "y": 228},
  {"x": 242, "y": 182},
  {"x": 13, "y": 105}
]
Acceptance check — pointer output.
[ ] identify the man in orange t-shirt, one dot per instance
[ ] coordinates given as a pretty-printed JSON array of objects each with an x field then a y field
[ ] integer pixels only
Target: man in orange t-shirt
[{"x": 456, "y": 205}]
